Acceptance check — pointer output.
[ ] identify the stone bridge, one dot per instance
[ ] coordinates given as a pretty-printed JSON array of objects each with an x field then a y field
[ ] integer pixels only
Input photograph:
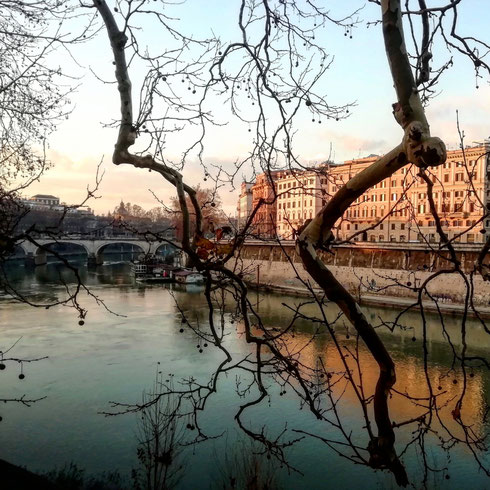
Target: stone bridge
[{"x": 36, "y": 254}]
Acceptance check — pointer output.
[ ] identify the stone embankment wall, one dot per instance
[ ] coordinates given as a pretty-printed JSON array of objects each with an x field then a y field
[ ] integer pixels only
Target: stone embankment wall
[{"x": 394, "y": 270}]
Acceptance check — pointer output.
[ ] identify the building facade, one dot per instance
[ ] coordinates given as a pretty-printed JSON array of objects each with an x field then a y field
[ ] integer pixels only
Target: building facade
[
  {"x": 244, "y": 205},
  {"x": 395, "y": 210},
  {"x": 264, "y": 223},
  {"x": 398, "y": 209},
  {"x": 300, "y": 196}
]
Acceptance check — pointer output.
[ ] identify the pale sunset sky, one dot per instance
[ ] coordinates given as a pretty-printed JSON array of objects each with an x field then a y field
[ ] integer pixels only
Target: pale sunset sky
[{"x": 359, "y": 74}]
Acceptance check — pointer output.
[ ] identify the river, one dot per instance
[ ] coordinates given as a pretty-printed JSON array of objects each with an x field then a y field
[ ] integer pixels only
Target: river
[{"x": 114, "y": 356}]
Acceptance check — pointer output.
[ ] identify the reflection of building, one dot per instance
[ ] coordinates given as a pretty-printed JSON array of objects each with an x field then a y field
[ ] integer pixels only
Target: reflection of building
[
  {"x": 244, "y": 206},
  {"x": 397, "y": 209}
]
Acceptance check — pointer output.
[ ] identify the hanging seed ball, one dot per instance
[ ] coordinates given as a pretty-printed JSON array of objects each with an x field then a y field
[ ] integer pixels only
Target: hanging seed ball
[
  {"x": 205, "y": 345},
  {"x": 21, "y": 376},
  {"x": 189, "y": 426},
  {"x": 447, "y": 477},
  {"x": 409, "y": 283},
  {"x": 308, "y": 103},
  {"x": 81, "y": 322},
  {"x": 213, "y": 204},
  {"x": 455, "y": 381},
  {"x": 2, "y": 366},
  {"x": 347, "y": 336},
  {"x": 1, "y": 418},
  {"x": 198, "y": 346},
  {"x": 164, "y": 79},
  {"x": 413, "y": 339},
  {"x": 439, "y": 387},
  {"x": 472, "y": 375},
  {"x": 200, "y": 351},
  {"x": 181, "y": 330}
]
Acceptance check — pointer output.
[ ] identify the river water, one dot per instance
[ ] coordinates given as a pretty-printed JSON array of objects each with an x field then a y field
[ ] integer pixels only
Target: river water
[{"x": 115, "y": 355}]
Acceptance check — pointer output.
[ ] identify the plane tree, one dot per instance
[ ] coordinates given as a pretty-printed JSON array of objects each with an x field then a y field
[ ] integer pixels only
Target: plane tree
[{"x": 277, "y": 62}]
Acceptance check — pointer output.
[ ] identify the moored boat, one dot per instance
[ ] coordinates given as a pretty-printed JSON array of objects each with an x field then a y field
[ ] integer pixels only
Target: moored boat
[{"x": 185, "y": 276}]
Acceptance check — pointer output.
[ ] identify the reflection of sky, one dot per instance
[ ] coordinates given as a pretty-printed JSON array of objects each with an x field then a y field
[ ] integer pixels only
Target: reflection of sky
[
  {"x": 359, "y": 74},
  {"x": 114, "y": 357}
]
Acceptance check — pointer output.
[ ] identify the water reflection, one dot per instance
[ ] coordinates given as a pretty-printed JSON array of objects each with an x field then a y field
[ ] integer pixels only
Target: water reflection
[{"x": 113, "y": 358}]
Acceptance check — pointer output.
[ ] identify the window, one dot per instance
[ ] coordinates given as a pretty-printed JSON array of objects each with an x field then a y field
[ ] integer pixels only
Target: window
[
  {"x": 381, "y": 226},
  {"x": 402, "y": 226},
  {"x": 347, "y": 226},
  {"x": 311, "y": 202},
  {"x": 459, "y": 177},
  {"x": 393, "y": 196},
  {"x": 393, "y": 183},
  {"x": 446, "y": 177},
  {"x": 402, "y": 238},
  {"x": 382, "y": 197},
  {"x": 393, "y": 226},
  {"x": 381, "y": 238}
]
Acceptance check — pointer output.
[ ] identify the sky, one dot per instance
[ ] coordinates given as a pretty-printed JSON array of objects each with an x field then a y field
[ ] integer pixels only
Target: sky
[{"x": 359, "y": 74}]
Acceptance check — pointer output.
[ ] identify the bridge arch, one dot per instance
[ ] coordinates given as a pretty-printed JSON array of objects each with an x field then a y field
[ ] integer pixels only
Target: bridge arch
[
  {"x": 165, "y": 249},
  {"x": 41, "y": 255},
  {"x": 99, "y": 259},
  {"x": 20, "y": 251}
]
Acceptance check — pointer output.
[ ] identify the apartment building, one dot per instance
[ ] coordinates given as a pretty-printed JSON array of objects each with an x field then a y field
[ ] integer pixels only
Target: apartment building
[
  {"x": 300, "y": 195},
  {"x": 244, "y": 205},
  {"x": 265, "y": 219},
  {"x": 396, "y": 210}
]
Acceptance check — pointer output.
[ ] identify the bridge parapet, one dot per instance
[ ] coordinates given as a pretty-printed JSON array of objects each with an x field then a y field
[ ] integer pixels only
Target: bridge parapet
[{"x": 36, "y": 253}]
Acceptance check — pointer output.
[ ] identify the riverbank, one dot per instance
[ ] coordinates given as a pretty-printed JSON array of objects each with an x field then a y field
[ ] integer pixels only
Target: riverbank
[
  {"x": 383, "y": 301},
  {"x": 373, "y": 286}
]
